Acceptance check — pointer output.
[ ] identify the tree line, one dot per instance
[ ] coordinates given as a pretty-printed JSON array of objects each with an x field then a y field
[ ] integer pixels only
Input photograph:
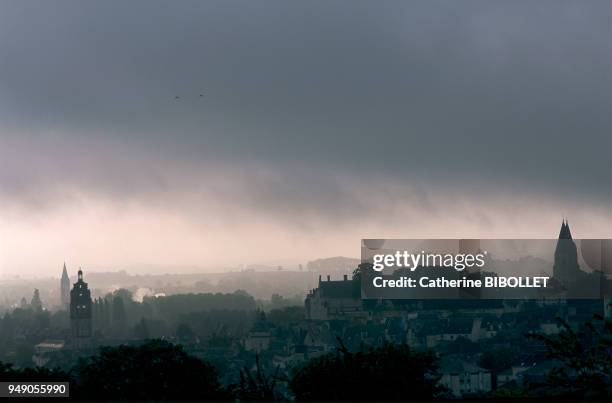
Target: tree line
[
  {"x": 161, "y": 371},
  {"x": 158, "y": 370}
]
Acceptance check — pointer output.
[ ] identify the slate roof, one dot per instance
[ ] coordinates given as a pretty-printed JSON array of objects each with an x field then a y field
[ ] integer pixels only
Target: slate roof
[{"x": 339, "y": 289}]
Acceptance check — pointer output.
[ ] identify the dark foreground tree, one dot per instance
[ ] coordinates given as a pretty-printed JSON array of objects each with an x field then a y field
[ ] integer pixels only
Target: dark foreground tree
[
  {"x": 584, "y": 360},
  {"x": 387, "y": 373},
  {"x": 257, "y": 386},
  {"x": 497, "y": 360},
  {"x": 8, "y": 373},
  {"x": 155, "y": 371}
]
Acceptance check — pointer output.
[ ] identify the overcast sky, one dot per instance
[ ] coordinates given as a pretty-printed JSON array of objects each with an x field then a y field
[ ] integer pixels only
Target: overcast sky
[{"x": 321, "y": 122}]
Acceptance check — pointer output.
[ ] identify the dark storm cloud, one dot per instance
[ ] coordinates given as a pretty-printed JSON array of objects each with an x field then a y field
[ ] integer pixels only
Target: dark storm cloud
[{"x": 314, "y": 94}]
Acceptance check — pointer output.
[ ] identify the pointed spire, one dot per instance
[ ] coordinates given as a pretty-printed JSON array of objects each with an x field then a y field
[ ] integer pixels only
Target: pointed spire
[
  {"x": 565, "y": 232},
  {"x": 64, "y": 272}
]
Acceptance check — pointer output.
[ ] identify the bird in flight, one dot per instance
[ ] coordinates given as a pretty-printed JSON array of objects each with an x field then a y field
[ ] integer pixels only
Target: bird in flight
[{"x": 176, "y": 97}]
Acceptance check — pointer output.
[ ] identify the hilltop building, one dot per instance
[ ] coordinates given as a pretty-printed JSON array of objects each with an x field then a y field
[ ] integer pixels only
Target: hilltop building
[
  {"x": 575, "y": 282},
  {"x": 80, "y": 314},
  {"x": 334, "y": 300},
  {"x": 566, "y": 269}
]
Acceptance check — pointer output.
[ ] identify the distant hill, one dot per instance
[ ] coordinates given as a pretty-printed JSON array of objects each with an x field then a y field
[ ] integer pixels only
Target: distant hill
[{"x": 333, "y": 265}]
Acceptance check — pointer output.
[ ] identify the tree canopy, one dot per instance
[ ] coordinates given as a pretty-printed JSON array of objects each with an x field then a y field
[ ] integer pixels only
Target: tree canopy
[
  {"x": 583, "y": 357},
  {"x": 387, "y": 373},
  {"x": 154, "y": 371}
]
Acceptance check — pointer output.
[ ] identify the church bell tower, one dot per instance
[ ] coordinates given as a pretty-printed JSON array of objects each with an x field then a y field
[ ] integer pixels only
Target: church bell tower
[{"x": 80, "y": 314}]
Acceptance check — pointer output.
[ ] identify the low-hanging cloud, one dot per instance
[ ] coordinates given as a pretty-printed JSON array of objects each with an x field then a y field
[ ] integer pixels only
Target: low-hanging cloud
[{"x": 318, "y": 119}]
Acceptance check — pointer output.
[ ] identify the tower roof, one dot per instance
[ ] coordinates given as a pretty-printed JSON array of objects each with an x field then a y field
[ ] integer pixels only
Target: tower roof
[
  {"x": 565, "y": 232},
  {"x": 64, "y": 272},
  {"x": 80, "y": 282}
]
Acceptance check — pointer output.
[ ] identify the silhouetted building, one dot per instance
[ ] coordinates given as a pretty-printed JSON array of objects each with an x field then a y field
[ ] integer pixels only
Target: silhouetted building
[
  {"x": 80, "y": 314},
  {"x": 259, "y": 337},
  {"x": 65, "y": 288},
  {"x": 566, "y": 269},
  {"x": 575, "y": 282},
  {"x": 333, "y": 299}
]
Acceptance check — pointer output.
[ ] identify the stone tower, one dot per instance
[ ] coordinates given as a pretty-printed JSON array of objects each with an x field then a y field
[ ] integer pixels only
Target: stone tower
[
  {"x": 566, "y": 269},
  {"x": 80, "y": 314},
  {"x": 65, "y": 289}
]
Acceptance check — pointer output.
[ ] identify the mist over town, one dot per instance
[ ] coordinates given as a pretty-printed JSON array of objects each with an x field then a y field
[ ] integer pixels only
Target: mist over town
[{"x": 192, "y": 194}]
